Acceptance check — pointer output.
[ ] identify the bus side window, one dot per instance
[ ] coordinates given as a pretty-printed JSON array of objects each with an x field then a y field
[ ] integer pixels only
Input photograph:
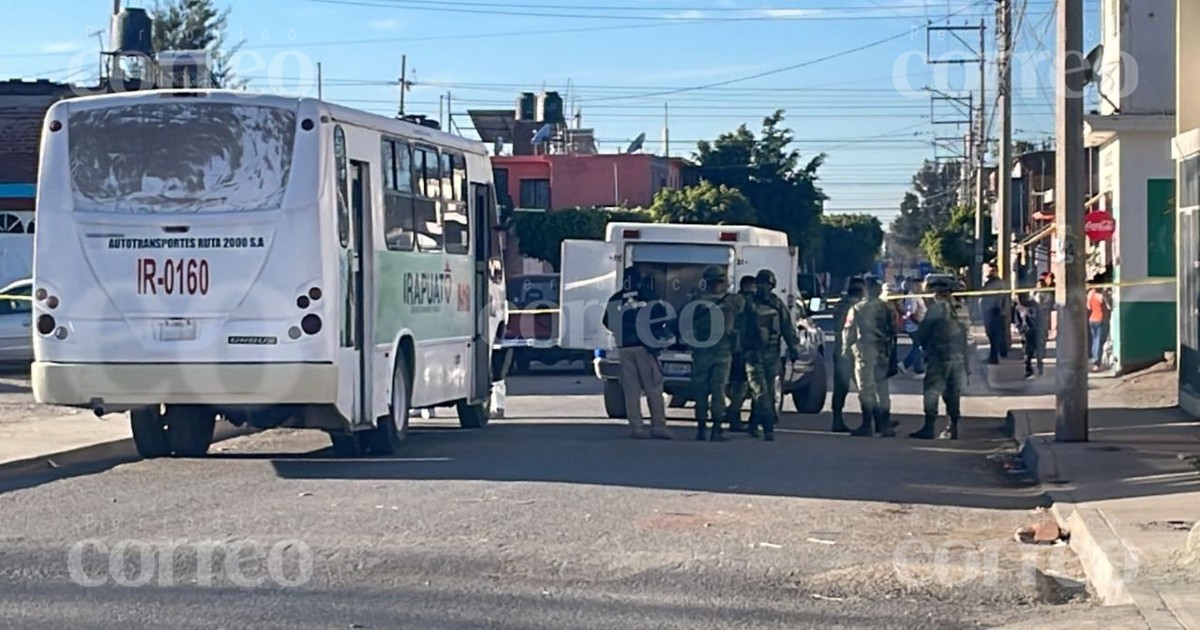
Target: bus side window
[
  {"x": 427, "y": 175},
  {"x": 341, "y": 181},
  {"x": 456, "y": 218},
  {"x": 397, "y": 196}
]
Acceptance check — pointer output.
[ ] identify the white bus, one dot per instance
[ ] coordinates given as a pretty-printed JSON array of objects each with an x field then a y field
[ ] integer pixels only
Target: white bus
[{"x": 271, "y": 261}]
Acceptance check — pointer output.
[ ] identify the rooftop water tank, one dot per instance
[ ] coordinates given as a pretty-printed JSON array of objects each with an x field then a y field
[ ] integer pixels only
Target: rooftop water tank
[{"x": 132, "y": 30}]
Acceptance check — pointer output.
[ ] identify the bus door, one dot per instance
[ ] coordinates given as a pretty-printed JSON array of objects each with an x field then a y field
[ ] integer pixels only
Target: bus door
[
  {"x": 362, "y": 301},
  {"x": 482, "y": 211}
]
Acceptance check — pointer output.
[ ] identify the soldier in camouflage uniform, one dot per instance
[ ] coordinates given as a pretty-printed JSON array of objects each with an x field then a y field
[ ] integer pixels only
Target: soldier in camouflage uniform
[
  {"x": 768, "y": 319},
  {"x": 843, "y": 363},
  {"x": 943, "y": 336},
  {"x": 738, "y": 387},
  {"x": 708, "y": 327},
  {"x": 868, "y": 335}
]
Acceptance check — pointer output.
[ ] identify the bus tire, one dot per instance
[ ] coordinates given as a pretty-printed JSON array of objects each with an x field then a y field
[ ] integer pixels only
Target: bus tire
[
  {"x": 387, "y": 437},
  {"x": 473, "y": 416},
  {"x": 190, "y": 430},
  {"x": 614, "y": 399},
  {"x": 149, "y": 432}
]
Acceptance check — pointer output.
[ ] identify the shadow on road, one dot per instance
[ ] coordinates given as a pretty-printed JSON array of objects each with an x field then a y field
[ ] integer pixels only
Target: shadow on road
[{"x": 804, "y": 462}]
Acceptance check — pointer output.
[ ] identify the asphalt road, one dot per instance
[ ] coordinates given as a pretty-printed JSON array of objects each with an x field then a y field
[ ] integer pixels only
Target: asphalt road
[{"x": 551, "y": 518}]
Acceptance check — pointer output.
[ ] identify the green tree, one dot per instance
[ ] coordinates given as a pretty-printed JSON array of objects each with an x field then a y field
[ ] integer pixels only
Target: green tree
[
  {"x": 704, "y": 203},
  {"x": 780, "y": 187},
  {"x": 934, "y": 195},
  {"x": 952, "y": 246},
  {"x": 540, "y": 234},
  {"x": 850, "y": 243},
  {"x": 197, "y": 25}
]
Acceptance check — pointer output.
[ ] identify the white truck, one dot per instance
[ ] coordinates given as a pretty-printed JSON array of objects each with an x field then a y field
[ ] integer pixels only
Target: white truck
[{"x": 674, "y": 256}]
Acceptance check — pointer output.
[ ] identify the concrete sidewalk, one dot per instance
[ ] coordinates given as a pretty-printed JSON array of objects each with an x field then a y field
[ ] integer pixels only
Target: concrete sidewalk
[
  {"x": 1130, "y": 499},
  {"x": 43, "y": 437}
]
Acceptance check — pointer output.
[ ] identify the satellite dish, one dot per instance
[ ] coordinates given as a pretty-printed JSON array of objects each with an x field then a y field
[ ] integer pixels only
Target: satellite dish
[
  {"x": 542, "y": 134},
  {"x": 637, "y": 143}
]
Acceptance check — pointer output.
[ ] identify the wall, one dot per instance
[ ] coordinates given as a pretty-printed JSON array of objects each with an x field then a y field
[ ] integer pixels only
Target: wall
[
  {"x": 1141, "y": 163},
  {"x": 23, "y": 107},
  {"x": 1188, "y": 61},
  {"x": 589, "y": 180},
  {"x": 1148, "y": 39}
]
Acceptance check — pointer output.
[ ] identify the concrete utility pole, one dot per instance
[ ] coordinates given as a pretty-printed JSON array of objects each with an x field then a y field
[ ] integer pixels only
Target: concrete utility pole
[
  {"x": 1071, "y": 396},
  {"x": 980, "y": 154},
  {"x": 320, "y": 84},
  {"x": 1004, "y": 160},
  {"x": 403, "y": 80}
]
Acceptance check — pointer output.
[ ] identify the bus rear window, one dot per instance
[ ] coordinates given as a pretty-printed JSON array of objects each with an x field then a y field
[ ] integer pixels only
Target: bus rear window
[{"x": 182, "y": 157}]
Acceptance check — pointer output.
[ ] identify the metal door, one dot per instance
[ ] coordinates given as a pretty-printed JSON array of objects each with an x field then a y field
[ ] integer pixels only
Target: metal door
[
  {"x": 360, "y": 266},
  {"x": 588, "y": 279}
]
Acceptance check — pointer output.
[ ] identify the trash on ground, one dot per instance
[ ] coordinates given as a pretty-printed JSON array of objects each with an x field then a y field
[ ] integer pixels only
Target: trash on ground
[{"x": 822, "y": 541}]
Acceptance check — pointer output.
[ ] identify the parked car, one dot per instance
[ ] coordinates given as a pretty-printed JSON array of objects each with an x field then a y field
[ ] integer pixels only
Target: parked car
[
  {"x": 533, "y": 336},
  {"x": 16, "y": 320}
]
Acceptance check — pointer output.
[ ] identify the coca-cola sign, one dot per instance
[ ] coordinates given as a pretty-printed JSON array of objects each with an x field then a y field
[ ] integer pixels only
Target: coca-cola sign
[{"x": 1099, "y": 226}]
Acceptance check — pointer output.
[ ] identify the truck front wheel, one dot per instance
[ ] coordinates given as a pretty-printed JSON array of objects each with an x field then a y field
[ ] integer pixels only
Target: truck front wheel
[{"x": 614, "y": 398}]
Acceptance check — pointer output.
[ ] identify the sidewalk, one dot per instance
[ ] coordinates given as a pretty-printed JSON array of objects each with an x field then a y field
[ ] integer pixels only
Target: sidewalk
[{"x": 1130, "y": 499}]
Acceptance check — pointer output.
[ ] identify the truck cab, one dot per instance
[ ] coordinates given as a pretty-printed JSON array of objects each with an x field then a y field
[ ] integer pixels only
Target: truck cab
[{"x": 674, "y": 256}]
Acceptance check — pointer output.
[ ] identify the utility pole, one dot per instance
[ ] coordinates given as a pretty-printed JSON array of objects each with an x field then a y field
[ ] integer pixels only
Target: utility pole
[
  {"x": 980, "y": 155},
  {"x": 666, "y": 130},
  {"x": 403, "y": 81},
  {"x": 320, "y": 84},
  {"x": 1004, "y": 257},
  {"x": 1071, "y": 379},
  {"x": 449, "y": 114}
]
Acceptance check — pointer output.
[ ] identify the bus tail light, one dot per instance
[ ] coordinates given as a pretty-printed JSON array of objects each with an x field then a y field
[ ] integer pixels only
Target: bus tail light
[
  {"x": 55, "y": 125},
  {"x": 314, "y": 294},
  {"x": 46, "y": 324},
  {"x": 311, "y": 324},
  {"x": 631, "y": 234},
  {"x": 728, "y": 237}
]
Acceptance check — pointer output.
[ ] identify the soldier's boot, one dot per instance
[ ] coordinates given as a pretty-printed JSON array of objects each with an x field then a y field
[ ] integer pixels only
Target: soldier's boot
[
  {"x": 883, "y": 423},
  {"x": 951, "y": 432},
  {"x": 734, "y": 418},
  {"x": 927, "y": 431},
  {"x": 866, "y": 429},
  {"x": 839, "y": 423},
  {"x": 752, "y": 426},
  {"x": 701, "y": 433},
  {"x": 716, "y": 435}
]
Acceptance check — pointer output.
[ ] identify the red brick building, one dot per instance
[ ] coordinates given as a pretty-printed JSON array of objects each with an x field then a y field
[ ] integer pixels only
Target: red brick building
[{"x": 553, "y": 182}]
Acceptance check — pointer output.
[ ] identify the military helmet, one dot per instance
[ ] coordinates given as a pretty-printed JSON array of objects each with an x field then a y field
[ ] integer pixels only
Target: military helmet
[
  {"x": 939, "y": 284},
  {"x": 765, "y": 276},
  {"x": 713, "y": 273}
]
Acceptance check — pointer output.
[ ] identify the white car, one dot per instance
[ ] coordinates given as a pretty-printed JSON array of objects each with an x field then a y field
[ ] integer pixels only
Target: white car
[{"x": 16, "y": 319}]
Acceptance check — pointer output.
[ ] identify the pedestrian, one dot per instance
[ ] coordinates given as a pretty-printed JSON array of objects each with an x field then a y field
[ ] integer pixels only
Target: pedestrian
[
  {"x": 870, "y": 333},
  {"x": 914, "y": 312},
  {"x": 943, "y": 335},
  {"x": 639, "y": 322},
  {"x": 994, "y": 306},
  {"x": 768, "y": 321},
  {"x": 1098, "y": 313},
  {"x": 1027, "y": 314},
  {"x": 738, "y": 386},
  {"x": 707, "y": 327},
  {"x": 843, "y": 362},
  {"x": 1045, "y": 298}
]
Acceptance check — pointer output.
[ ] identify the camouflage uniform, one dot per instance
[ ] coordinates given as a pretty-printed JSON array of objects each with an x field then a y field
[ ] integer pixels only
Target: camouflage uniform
[
  {"x": 738, "y": 386},
  {"x": 843, "y": 363},
  {"x": 943, "y": 336},
  {"x": 768, "y": 319},
  {"x": 868, "y": 334},
  {"x": 710, "y": 333}
]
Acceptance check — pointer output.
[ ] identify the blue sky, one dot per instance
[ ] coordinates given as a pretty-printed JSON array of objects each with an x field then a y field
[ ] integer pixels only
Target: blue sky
[{"x": 623, "y": 60}]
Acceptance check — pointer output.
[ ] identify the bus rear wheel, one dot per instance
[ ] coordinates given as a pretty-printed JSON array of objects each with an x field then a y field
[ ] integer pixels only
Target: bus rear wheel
[
  {"x": 149, "y": 432},
  {"x": 473, "y": 416},
  {"x": 190, "y": 430},
  {"x": 386, "y": 438}
]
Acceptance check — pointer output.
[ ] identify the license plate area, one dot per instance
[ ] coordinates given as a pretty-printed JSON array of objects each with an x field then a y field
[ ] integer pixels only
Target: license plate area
[
  {"x": 175, "y": 330},
  {"x": 676, "y": 369}
]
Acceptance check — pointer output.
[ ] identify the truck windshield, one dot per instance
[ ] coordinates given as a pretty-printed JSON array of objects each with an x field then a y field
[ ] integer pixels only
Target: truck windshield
[{"x": 180, "y": 157}]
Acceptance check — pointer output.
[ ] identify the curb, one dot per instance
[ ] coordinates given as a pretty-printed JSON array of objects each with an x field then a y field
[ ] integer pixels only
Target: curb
[
  {"x": 100, "y": 454},
  {"x": 1109, "y": 562}
]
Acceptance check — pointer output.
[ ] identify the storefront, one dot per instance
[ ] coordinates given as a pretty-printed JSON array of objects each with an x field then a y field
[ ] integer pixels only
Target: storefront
[{"x": 1189, "y": 281}]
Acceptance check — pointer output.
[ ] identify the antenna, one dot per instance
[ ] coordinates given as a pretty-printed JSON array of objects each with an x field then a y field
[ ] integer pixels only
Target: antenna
[{"x": 637, "y": 143}]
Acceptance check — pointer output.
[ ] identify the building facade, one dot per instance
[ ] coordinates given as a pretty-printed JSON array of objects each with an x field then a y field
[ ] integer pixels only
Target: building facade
[
  {"x": 1186, "y": 149},
  {"x": 23, "y": 107},
  {"x": 554, "y": 182},
  {"x": 1133, "y": 131}
]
